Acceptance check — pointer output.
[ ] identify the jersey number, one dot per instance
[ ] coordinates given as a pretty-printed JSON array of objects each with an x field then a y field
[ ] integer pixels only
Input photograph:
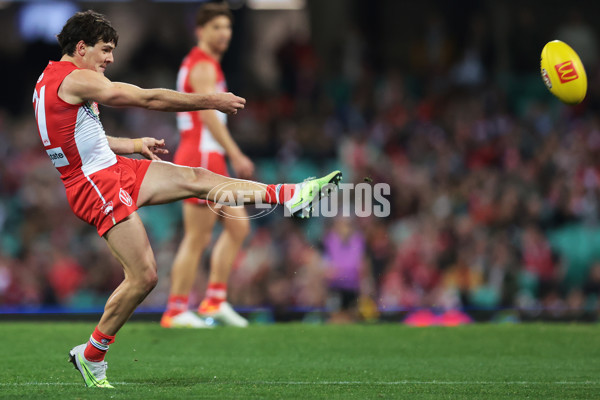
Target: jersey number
[{"x": 40, "y": 114}]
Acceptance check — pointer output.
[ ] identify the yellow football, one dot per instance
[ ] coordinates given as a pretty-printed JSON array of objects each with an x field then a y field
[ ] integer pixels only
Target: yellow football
[{"x": 563, "y": 72}]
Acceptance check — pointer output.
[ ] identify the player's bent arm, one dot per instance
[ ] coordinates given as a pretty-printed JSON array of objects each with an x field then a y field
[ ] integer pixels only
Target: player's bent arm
[
  {"x": 83, "y": 85},
  {"x": 147, "y": 146},
  {"x": 203, "y": 79},
  {"x": 122, "y": 145}
]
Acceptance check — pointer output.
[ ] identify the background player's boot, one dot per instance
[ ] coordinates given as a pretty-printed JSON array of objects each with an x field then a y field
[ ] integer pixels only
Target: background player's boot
[
  {"x": 308, "y": 193},
  {"x": 186, "y": 319},
  {"x": 223, "y": 313},
  {"x": 93, "y": 373}
]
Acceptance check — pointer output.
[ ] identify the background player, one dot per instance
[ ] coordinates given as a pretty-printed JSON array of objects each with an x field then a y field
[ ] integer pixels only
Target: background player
[
  {"x": 205, "y": 140},
  {"x": 104, "y": 189}
]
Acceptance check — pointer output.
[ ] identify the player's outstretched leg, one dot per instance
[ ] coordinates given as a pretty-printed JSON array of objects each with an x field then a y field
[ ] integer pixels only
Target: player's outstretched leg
[{"x": 167, "y": 182}]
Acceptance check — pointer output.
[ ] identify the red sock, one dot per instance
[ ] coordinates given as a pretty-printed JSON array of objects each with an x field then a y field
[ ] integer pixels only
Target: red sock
[
  {"x": 176, "y": 305},
  {"x": 216, "y": 293},
  {"x": 278, "y": 194},
  {"x": 97, "y": 346}
]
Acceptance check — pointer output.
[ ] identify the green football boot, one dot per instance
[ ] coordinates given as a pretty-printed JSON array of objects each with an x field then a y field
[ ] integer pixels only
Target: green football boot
[
  {"x": 307, "y": 194},
  {"x": 93, "y": 373}
]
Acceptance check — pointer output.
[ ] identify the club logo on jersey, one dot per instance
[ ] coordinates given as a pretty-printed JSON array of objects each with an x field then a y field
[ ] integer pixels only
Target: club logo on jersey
[
  {"x": 92, "y": 108},
  {"x": 566, "y": 71},
  {"x": 57, "y": 157},
  {"x": 125, "y": 198},
  {"x": 107, "y": 208},
  {"x": 95, "y": 109}
]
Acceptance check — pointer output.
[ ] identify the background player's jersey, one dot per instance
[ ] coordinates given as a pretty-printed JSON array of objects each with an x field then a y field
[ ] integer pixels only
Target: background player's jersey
[
  {"x": 195, "y": 137},
  {"x": 72, "y": 134}
]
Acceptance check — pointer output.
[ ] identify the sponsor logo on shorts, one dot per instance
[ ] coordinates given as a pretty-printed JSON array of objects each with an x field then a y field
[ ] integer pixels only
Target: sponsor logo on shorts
[
  {"x": 107, "y": 208},
  {"x": 125, "y": 198},
  {"x": 566, "y": 71},
  {"x": 58, "y": 157}
]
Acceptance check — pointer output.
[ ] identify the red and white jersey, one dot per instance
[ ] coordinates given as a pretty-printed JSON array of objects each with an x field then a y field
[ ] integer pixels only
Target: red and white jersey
[
  {"x": 195, "y": 137},
  {"x": 72, "y": 134}
]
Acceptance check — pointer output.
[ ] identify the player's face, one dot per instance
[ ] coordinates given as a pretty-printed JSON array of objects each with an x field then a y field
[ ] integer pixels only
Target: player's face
[
  {"x": 98, "y": 57},
  {"x": 216, "y": 33}
]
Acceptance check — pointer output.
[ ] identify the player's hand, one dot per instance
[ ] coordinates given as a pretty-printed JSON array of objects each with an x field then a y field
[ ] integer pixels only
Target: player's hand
[
  {"x": 242, "y": 165},
  {"x": 228, "y": 103},
  {"x": 151, "y": 147}
]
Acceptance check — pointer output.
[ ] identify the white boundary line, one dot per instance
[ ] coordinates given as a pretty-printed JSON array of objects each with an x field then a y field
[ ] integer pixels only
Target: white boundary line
[
  {"x": 430, "y": 383},
  {"x": 327, "y": 383}
]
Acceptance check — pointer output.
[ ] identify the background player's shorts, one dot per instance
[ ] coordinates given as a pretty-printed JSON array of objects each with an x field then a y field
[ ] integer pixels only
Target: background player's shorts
[
  {"x": 108, "y": 196},
  {"x": 212, "y": 161}
]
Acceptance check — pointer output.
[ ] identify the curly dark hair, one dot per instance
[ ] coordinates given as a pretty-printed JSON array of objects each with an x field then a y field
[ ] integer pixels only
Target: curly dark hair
[
  {"x": 212, "y": 10},
  {"x": 89, "y": 26}
]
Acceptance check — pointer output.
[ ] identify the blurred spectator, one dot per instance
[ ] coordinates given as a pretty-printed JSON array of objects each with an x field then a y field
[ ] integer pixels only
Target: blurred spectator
[
  {"x": 345, "y": 255},
  {"x": 65, "y": 276},
  {"x": 591, "y": 290}
]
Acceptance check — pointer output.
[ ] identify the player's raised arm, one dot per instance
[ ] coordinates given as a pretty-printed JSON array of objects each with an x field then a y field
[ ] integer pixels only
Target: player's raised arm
[{"x": 83, "y": 85}]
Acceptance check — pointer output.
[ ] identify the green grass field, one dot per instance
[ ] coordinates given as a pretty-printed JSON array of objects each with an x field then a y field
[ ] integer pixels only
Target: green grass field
[{"x": 307, "y": 361}]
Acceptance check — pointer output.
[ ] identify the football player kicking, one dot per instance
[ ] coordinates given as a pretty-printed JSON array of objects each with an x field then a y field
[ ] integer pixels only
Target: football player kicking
[{"x": 105, "y": 189}]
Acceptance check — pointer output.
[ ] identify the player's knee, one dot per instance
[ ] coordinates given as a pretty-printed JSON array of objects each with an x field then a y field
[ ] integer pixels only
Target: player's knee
[
  {"x": 239, "y": 230},
  {"x": 197, "y": 240},
  {"x": 195, "y": 181},
  {"x": 149, "y": 280},
  {"x": 199, "y": 175},
  {"x": 203, "y": 241}
]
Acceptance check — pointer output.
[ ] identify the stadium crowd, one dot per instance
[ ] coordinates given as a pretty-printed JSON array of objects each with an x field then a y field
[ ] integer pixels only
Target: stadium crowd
[{"x": 494, "y": 189}]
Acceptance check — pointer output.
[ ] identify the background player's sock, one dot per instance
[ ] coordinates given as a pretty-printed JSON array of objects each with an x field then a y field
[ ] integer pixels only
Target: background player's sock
[
  {"x": 176, "y": 305},
  {"x": 279, "y": 194},
  {"x": 97, "y": 346},
  {"x": 216, "y": 293}
]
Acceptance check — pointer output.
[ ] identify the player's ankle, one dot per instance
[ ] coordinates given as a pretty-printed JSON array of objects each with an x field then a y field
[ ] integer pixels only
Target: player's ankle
[
  {"x": 173, "y": 312},
  {"x": 279, "y": 194},
  {"x": 97, "y": 346},
  {"x": 211, "y": 302},
  {"x": 176, "y": 305}
]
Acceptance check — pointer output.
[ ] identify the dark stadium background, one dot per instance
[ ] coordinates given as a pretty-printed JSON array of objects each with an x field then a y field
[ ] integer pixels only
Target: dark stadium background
[{"x": 494, "y": 184}]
